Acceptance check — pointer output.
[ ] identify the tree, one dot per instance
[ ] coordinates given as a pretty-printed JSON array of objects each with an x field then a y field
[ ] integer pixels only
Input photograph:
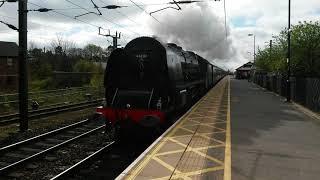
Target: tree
[
  {"x": 305, "y": 48},
  {"x": 93, "y": 52},
  {"x": 58, "y": 50},
  {"x": 65, "y": 44},
  {"x": 76, "y": 53}
]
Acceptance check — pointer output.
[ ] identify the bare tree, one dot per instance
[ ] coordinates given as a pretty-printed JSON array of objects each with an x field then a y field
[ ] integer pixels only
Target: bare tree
[
  {"x": 32, "y": 45},
  {"x": 62, "y": 42}
]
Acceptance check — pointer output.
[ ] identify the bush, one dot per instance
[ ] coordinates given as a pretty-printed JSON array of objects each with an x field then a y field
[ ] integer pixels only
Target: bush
[
  {"x": 84, "y": 66},
  {"x": 97, "y": 79},
  {"x": 37, "y": 85}
]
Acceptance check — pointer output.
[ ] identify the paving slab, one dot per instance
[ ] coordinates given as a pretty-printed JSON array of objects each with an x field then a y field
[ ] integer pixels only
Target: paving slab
[{"x": 271, "y": 139}]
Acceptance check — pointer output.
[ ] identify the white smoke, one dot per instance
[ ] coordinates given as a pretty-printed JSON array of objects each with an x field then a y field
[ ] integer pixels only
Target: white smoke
[{"x": 198, "y": 29}]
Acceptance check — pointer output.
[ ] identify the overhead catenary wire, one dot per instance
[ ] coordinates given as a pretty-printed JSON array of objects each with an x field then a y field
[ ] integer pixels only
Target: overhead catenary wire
[
  {"x": 89, "y": 12},
  {"x": 101, "y": 16},
  {"x": 122, "y": 14},
  {"x": 9, "y": 25},
  {"x": 178, "y": 8},
  {"x": 131, "y": 5},
  {"x": 139, "y": 5},
  {"x": 172, "y": 2},
  {"x": 144, "y": 11},
  {"x": 70, "y": 17}
]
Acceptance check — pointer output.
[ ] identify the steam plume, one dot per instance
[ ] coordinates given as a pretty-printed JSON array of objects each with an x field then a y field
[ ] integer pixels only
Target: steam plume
[{"x": 198, "y": 29}]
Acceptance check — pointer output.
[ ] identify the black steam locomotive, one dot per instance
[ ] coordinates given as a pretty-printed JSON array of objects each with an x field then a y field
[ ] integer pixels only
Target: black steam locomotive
[{"x": 147, "y": 81}]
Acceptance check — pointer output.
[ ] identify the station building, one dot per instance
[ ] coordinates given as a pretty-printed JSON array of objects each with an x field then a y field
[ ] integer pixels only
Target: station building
[
  {"x": 8, "y": 65},
  {"x": 244, "y": 71}
]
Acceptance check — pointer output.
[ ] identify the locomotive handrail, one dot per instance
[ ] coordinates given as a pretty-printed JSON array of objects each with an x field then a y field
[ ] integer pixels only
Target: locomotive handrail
[
  {"x": 114, "y": 97},
  {"x": 150, "y": 98}
]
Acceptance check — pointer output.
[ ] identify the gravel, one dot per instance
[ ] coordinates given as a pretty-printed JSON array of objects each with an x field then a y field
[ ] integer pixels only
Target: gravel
[
  {"x": 60, "y": 160},
  {"x": 10, "y": 134}
]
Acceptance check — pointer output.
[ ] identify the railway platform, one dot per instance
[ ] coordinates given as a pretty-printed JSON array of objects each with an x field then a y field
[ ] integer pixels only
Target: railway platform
[
  {"x": 236, "y": 131},
  {"x": 195, "y": 146}
]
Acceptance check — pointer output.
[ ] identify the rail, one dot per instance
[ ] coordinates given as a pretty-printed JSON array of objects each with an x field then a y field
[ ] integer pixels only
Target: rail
[
  {"x": 14, "y": 118},
  {"x": 11, "y": 166},
  {"x": 82, "y": 163}
]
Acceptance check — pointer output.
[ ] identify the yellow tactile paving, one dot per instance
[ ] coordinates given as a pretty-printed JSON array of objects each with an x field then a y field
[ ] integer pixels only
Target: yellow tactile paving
[{"x": 198, "y": 147}]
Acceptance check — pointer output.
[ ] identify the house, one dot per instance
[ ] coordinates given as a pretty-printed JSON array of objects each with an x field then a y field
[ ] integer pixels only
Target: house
[
  {"x": 244, "y": 71},
  {"x": 8, "y": 65}
]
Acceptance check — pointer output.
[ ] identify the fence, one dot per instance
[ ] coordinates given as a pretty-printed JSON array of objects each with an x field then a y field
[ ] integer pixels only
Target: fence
[
  {"x": 71, "y": 79},
  {"x": 305, "y": 91}
]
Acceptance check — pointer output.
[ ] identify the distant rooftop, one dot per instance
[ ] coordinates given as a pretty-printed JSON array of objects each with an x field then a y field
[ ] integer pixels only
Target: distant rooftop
[
  {"x": 8, "y": 49},
  {"x": 245, "y": 67}
]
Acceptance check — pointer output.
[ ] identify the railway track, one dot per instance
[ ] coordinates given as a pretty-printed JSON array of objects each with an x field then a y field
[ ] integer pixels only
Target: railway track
[
  {"x": 24, "y": 159},
  {"x": 35, "y": 114},
  {"x": 84, "y": 162}
]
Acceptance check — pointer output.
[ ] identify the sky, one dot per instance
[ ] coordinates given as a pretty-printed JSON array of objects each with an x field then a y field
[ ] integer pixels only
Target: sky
[{"x": 198, "y": 27}]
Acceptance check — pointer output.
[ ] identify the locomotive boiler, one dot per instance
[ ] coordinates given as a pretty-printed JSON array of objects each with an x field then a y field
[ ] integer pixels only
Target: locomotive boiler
[{"x": 148, "y": 81}]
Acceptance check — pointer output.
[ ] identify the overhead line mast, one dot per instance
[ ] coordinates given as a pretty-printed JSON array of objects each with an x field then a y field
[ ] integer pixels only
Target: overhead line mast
[
  {"x": 23, "y": 74},
  {"x": 114, "y": 37}
]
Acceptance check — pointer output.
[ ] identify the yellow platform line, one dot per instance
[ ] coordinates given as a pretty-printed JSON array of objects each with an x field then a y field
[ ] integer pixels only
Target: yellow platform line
[
  {"x": 188, "y": 150},
  {"x": 203, "y": 136},
  {"x": 220, "y": 88},
  {"x": 192, "y": 173},
  {"x": 171, "y": 168},
  {"x": 201, "y": 171},
  {"x": 145, "y": 161},
  {"x": 198, "y": 152},
  {"x": 227, "y": 154}
]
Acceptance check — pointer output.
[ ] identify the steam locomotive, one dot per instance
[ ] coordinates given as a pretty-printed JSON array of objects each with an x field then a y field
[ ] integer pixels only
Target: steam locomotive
[{"x": 147, "y": 81}]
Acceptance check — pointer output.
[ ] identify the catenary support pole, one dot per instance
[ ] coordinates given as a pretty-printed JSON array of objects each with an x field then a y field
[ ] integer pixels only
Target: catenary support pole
[
  {"x": 289, "y": 55},
  {"x": 23, "y": 74}
]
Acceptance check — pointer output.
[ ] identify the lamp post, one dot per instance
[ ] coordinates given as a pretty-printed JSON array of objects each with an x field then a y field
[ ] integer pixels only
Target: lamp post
[
  {"x": 289, "y": 55},
  {"x": 254, "y": 47}
]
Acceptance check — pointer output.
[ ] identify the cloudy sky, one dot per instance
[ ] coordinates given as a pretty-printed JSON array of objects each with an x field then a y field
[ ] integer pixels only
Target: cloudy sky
[{"x": 199, "y": 27}]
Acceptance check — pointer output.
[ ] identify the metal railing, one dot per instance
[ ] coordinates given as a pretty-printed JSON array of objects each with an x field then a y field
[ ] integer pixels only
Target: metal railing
[{"x": 305, "y": 91}]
